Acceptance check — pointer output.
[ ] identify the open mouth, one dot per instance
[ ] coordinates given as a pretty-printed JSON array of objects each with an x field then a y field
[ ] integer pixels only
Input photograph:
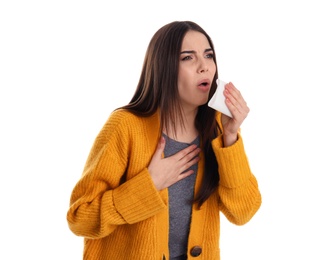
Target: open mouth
[
  {"x": 204, "y": 83},
  {"x": 204, "y": 86}
]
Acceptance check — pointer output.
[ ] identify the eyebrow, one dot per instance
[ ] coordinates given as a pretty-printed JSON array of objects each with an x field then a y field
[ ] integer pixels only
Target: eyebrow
[{"x": 188, "y": 52}]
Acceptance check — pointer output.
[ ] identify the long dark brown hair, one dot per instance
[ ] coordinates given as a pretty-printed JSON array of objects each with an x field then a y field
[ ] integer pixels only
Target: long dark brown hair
[{"x": 157, "y": 89}]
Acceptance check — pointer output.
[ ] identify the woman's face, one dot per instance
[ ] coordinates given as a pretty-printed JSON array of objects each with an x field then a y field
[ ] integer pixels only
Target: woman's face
[{"x": 196, "y": 70}]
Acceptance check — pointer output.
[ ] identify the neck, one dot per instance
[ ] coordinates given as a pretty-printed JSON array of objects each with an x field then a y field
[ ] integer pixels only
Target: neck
[{"x": 184, "y": 132}]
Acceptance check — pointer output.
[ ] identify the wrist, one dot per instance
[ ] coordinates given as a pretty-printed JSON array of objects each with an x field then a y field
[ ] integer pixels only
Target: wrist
[{"x": 229, "y": 139}]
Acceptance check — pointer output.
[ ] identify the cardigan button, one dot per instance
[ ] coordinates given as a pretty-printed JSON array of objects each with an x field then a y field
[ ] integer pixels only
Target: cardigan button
[{"x": 196, "y": 251}]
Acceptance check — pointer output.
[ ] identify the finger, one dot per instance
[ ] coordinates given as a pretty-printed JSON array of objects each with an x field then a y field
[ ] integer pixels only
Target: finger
[
  {"x": 189, "y": 163},
  {"x": 192, "y": 156},
  {"x": 185, "y": 174},
  {"x": 235, "y": 100},
  {"x": 192, "y": 149},
  {"x": 237, "y": 95},
  {"x": 233, "y": 94}
]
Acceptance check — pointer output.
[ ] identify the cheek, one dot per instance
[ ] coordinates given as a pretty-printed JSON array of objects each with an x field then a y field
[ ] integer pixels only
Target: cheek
[
  {"x": 182, "y": 78},
  {"x": 184, "y": 74},
  {"x": 183, "y": 84},
  {"x": 181, "y": 87},
  {"x": 213, "y": 69},
  {"x": 181, "y": 72}
]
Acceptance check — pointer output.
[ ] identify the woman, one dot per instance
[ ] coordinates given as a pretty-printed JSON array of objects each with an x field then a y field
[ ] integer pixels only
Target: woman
[{"x": 164, "y": 166}]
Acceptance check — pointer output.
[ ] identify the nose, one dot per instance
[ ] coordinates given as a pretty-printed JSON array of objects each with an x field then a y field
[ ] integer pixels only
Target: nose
[{"x": 202, "y": 67}]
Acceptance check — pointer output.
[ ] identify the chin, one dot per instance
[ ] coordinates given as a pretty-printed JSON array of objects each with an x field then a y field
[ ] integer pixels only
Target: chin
[{"x": 204, "y": 102}]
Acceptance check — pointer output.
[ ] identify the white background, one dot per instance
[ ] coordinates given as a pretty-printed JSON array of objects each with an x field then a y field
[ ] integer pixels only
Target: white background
[{"x": 65, "y": 65}]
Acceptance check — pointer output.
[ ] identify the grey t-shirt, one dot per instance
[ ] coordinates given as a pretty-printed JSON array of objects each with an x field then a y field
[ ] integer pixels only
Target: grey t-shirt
[{"x": 181, "y": 195}]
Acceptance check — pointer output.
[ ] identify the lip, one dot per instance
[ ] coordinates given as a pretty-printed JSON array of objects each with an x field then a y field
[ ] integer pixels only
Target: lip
[
  {"x": 204, "y": 84},
  {"x": 204, "y": 81}
]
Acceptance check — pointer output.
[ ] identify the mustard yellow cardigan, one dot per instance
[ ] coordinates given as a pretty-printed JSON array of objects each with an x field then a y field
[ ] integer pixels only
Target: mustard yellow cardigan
[{"x": 129, "y": 220}]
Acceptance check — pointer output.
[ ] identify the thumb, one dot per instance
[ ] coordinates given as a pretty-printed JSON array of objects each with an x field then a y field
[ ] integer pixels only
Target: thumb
[{"x": 160, "y": 147}]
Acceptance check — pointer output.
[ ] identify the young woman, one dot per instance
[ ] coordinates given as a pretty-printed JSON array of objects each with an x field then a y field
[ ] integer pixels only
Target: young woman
[{"x": 165, "y": 165}]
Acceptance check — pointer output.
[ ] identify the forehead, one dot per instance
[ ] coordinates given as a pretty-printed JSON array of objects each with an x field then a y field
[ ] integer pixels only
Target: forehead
[{"x": 195, "y": 40}]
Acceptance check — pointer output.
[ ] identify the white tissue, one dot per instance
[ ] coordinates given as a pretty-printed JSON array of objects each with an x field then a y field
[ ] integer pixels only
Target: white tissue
[{"x": 218, "y": 100}]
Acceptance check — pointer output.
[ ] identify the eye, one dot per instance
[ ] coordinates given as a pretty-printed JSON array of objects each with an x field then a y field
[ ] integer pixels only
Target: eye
[
  {"x": 187, "y": 58},
  {"x": 209, "y": 55}
]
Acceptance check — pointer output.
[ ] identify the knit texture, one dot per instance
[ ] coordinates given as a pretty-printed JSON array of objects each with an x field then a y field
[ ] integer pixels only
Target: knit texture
[{"x": 121, "y": 215}]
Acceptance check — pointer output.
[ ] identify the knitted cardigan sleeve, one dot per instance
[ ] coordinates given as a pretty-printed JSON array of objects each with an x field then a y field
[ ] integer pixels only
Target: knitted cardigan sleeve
[
  {"x": 238, "y": 190},
  {"x": 100, "y": 201}
]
